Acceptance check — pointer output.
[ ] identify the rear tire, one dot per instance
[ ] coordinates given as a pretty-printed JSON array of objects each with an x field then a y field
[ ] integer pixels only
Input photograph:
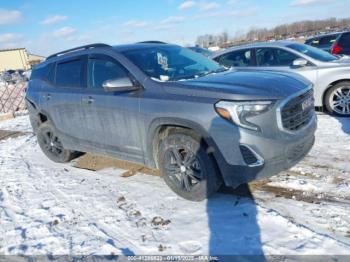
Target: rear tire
[
  {"x": 51, "y": 144},
  {"x": 186, "y": 166},
  {"x": 337, "y": 99}
]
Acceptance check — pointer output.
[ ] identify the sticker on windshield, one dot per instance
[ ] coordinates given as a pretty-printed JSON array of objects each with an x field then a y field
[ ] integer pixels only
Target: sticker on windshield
[{"x": 163, "y": 61}]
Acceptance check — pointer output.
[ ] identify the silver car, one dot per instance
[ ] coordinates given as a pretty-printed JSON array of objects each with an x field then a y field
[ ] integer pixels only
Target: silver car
[{"x": 329, "y": 74}]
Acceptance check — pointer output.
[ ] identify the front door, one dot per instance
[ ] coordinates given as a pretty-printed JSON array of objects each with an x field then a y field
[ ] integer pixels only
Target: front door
[{"x": 111, "y": 119}]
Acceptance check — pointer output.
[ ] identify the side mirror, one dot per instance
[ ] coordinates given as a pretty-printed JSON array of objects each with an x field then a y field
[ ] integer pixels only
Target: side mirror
[
  {"x": 119, "y": 85},
  {"x": 300, "y": 62}
]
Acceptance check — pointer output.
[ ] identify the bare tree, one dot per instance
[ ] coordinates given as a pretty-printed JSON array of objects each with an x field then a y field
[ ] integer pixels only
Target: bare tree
[{"x": 283, "y": 31}]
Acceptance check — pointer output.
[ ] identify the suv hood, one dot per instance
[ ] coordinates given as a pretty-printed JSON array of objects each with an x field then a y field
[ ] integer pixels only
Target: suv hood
[{"x": 242, "y": 85}]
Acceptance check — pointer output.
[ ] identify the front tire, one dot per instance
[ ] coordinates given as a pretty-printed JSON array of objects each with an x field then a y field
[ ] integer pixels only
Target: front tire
[
  {"x": 337, "y": 99},
  {"x": 51, "y": 144},
  {"x": 186, "y": 166}
]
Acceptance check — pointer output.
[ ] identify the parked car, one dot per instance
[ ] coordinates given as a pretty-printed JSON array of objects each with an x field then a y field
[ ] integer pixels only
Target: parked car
[
  {"x": 13, "y": 76},
  {"x": 170, "y": 108},
  {"x": 341, "y": 45},
  {"x": 202, "y": 51},
  {"x": 7, "y": 77},
  {"x": 323, "y": 42},
  {"x": 329, "y": 74}
]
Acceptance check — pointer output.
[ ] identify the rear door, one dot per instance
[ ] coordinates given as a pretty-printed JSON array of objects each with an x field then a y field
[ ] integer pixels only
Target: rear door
[
  {"x": 111, "y": 119},
  {"x": 62, "y": 100}
]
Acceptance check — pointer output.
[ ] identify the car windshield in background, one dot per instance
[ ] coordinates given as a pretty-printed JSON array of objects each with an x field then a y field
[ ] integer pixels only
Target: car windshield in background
[
  {"x": 172, "y": 63},
  {"x": 313, "y": 52}
]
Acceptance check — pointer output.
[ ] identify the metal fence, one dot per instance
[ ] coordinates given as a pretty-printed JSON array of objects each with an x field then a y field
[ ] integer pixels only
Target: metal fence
[{"x": 12, "y": 97}]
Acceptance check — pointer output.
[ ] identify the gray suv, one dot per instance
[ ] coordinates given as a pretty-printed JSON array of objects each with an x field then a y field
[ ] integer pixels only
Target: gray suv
[{"x": 170, "y": 108}]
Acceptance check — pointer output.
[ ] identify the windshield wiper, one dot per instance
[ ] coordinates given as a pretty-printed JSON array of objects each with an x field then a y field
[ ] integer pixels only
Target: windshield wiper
[
  {"x": 220, "y": 70},
  {"x": 205, "y": 73}
]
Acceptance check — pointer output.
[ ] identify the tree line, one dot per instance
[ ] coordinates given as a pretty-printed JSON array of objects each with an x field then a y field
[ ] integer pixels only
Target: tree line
[{"x": 300, "y": 29}]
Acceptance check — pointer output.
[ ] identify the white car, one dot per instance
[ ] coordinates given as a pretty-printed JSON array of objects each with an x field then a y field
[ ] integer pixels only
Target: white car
[{"x": 329, "y": 74}]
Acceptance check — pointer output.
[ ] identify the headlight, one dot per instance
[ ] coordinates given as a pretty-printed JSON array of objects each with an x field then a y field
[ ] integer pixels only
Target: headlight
[{"x": 240, "y": 112}]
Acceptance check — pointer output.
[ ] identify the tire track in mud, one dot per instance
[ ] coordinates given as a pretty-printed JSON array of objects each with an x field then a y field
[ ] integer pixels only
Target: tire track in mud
[
  {"x": 299, "y": 195},
  {"x": 5, "y": 134},
  {"x": 283, "y": 192}
]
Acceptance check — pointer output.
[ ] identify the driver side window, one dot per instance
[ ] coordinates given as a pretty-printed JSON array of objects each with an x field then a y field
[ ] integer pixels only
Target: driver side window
[
  {"x": 274, "y": 57},
  {"x": 100, "y": 70}
]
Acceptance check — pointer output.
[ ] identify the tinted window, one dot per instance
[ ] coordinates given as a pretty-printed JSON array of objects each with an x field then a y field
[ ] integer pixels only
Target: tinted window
[
  {"x": 274, "y": 57},
  {"x": 328, "y": 40},
  {"x": 100, "y": 70},
  {"x": 345, "y": 40},
  {"x": 70, "y": 74},
  {"x": 313, "y": 41},
  {"x": 240, "y": 58},
  {"x": 313, "y": 52},
  {"x": 41, "y": 72}
]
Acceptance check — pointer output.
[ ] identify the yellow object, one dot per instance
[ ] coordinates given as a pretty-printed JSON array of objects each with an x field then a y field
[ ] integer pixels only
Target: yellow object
[{"x": 18, "y": 59}]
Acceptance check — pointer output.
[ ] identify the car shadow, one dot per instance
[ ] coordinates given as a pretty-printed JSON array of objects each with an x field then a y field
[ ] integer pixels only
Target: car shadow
[
  {"x": 345, "y": 122},
  {"x": 234, "y": 229},
  {"x": 232, "y": 221}
]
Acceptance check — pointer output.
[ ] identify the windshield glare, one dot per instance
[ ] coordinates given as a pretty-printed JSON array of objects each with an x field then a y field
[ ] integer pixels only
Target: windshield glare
[
  {"x": 172, "y": 63},
  {"x": 313, "y": 52}
]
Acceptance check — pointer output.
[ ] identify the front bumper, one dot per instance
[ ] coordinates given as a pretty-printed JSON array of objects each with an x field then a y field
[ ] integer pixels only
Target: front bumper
[{"x": 274, "y": 153}]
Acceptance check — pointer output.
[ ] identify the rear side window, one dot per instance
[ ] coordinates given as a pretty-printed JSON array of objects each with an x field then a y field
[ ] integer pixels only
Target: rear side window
[
  {"x": 328, "y": 40},
  {"x": 70, "y": 73},
  {"x": 240, "y": 58},
  {"x": 344, "y": 40},
  {"x": 100, "y": 70},
  {"x": 313, "y": 42},
  {"x": 41, "y": 72}
]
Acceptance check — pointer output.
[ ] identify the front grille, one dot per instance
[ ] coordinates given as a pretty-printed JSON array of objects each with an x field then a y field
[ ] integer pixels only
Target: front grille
[
  {"x": 248, "y": 155},
  {"x": 294, "y": 115}
]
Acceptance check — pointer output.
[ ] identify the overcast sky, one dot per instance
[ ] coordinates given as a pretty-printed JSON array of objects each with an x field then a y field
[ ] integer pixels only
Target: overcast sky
[{"x": 49, "y": 26}]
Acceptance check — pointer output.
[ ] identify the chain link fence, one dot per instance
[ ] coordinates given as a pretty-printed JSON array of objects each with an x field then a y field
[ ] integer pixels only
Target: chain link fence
[{"x": 12, "y": 97}]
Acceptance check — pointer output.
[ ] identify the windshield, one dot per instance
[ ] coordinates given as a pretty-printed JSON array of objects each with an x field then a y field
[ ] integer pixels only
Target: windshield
[
  {"x": 313, "y": 52},
  {"x": 202, "y": 51},
  {"x": 172, "y": 63}
]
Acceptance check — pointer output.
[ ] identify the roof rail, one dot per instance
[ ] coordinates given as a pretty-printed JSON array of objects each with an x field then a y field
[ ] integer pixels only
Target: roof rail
[
  {"x": 84, "y": 47},
  {"x": 151, "y": 42}
]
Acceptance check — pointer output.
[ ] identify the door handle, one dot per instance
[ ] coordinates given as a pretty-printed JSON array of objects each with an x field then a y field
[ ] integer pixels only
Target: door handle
[
  {"x": 47, "y": 97},
  {"x": 88, "y": 100}
]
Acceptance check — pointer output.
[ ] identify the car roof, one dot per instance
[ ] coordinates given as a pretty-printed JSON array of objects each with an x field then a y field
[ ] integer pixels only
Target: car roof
[
  {"x": 281, "y": 43},
  {"x": 119, "y": 48},
  {"x": 324, "y": 35},
  {"x": 139, "y": 46}
]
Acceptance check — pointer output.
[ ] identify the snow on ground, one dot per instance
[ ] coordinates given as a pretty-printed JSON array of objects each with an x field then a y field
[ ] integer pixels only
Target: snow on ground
[
  {"x": 21, "y": 124},
  {"x": 49, "y": 208}
]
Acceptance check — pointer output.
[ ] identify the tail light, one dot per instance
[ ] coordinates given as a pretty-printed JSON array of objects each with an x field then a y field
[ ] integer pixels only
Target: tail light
[{"x": 336, "y": 49}]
